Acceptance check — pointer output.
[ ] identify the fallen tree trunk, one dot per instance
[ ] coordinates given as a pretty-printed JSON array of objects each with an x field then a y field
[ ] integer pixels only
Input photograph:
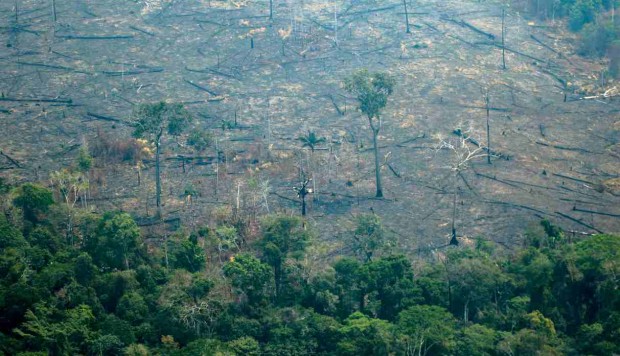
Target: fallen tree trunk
[
  {"x": 37, "y": 100},
  {"x": 103, "y": 37},
  {"x": 132, "y": 72},
  {"x": 12, "y": 160},
  {"x": 200, "y": 87},
  {"x": 596, "y": 212},
  {"x": 579, "y": 222}
]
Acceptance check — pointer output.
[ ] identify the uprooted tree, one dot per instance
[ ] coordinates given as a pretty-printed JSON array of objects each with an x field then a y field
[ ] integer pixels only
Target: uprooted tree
[
  {"x": 372, "y": 91},
  {"x": 151, "y": 122}
]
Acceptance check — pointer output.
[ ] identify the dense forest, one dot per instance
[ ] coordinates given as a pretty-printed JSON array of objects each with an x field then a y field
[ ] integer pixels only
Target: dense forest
[
  {"x": 103, "y": 287},
  {"x": 309, "y": 177}
]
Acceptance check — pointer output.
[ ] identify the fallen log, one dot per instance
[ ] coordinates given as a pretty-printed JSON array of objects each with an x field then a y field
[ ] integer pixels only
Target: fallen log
[
  {"x": 572, "y": 178},
  {"x": 498, "y": 180},
  {"x": 42, "y": 65},
  {"x": 340, "y": 112},
  {"x": 12, "y": 160},
  {"x": 471, "y": 27},
  {"x": 132, "y": 72},
  {"x": 103, "y": 37},
  {"x": 545, "y": 45},
  {"x": 578, "y": 222},
  {"x": 142, "y": 31},
  {"x": 200, "y": 87},
  {"x": 516, "y": 206},
  {"x": 211, "y": 70},
  {"x": 577, "y": 149},
  {"x": 595, "y": 212},
  {"x": 108, "y": 118},
  {"x": 37, "y": 100}
]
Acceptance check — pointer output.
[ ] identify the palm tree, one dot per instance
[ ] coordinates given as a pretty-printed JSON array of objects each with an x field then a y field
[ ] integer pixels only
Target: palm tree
[{"x": 311, "y": 140}]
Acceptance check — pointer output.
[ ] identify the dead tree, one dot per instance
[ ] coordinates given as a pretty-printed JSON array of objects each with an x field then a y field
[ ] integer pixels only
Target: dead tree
[
  {"x": 503, "y": 39},
  {"x": 463, "y": 152},
  {"x": 302, "y": 191},
  {"x": 406, "y": 16}
]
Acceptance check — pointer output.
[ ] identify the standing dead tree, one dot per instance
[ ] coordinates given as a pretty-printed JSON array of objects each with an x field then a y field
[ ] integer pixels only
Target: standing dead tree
[{"x": 463, "y": 153}]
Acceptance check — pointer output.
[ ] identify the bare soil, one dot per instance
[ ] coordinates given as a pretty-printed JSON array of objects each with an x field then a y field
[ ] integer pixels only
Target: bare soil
[{"x": 103, "y": 57}]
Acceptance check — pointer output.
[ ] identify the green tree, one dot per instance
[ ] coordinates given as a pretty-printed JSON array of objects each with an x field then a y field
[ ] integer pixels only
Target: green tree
[
  {"x": 372, "y": 91},
  {"x": 478, "y": 340},
  {"x": 283, "y": 237},
  {"x": 63, "y": 337},
  {"x": 361, "y": 335},
  {"x": 426, "y": 329},
  {"x": 118, "y": 240},
  {"x": 152, "y": 121},
  {"x": 249, "y": 277},
  {"x": 389, "y": 284},
  {"x": 369, "y": 236},
  {"x": 33, "y": 199},
  {"x": 311, "y": 140}
]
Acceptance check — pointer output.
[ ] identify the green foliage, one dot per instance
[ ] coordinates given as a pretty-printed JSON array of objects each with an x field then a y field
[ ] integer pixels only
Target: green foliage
[
  {"x": 118, "y": 242},
  {"x": 371, "y": 90},
  {"x": 185, "y": 253},
  {"x": 311, "y": 140},
  {"x": 283, "y": 237},
  {"x": 427, "y": 329},
  {"x": 553, "y": 297},
  {"x": 369, "y": 237},
  {"x": 84, "y": 160},
  {"x": 361, "y": 335},
  {"x": 597, "y": 39},
  {"x": 245, "y": 346},
  {"x": 249, "y": 277},
  {"x": 33, "y": 199},
  {"x": 153, "y": 119},
  {"x": 200, "y": 140}
]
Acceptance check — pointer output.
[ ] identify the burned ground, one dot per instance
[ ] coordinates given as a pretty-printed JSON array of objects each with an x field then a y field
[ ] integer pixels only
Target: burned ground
[{"x": 258, "y": 83}]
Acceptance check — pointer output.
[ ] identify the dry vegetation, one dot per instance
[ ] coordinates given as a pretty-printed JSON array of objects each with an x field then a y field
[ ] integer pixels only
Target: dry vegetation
[{"x": 76, "y": 81}]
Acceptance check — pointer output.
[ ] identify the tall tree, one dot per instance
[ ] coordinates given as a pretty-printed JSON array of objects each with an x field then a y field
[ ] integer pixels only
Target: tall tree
[
  {"x": 152, "y": 121},
  {"x": 372, "y": 91}
]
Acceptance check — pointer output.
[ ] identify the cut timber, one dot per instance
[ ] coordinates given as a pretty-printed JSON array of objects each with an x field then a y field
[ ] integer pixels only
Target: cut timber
[
  {"x": 596, "y": 212},
  {"x": 572, "y": 178},
  {"x": 12, "y": 160},
  {"x": 469, "y": 26},
  {"x": 42, "y": 65},
  {"x": 200, "y": 87},
  {"x": 516, "y": 206},
  {"x": 132, "y": 72},
  {"x": 107, "y": 118},
  {"x": 576, "y": 149},
  {"x": 340, "y": 112},
  {"x": 37, "y": 100},
  {"x": 579, "y": 222},
  {"x": 211, "y": 70},
  {"x": 142, "y": 31},
  {"x": 545, "y": 45},
  {"x": 102, "y": 37}
]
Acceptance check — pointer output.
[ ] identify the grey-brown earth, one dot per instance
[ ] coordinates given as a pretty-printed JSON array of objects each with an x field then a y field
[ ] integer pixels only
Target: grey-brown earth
[{"x": 64, "y": 82}]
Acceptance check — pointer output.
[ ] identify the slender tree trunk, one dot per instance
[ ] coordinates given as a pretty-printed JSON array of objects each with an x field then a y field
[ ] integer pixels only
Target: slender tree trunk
[
  {"x": 406, "y": 16},
  {"x": 270, "y": 9},
  {"x": 157, "y": 174},
  {"x": 54, "y": 10},
  {"x": 486, "y": 99},
  {"x": 503, "y": 39},
  {"x": 453, "y": 240},
  {"x": 375, "y": 133}
]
